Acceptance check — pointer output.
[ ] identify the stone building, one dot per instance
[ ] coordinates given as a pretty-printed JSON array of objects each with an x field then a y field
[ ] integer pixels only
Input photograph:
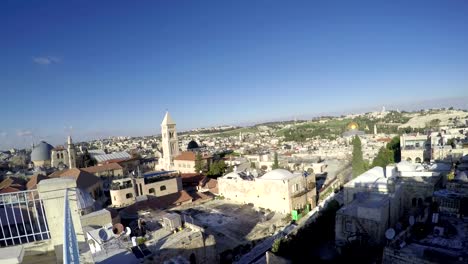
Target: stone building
[
  {"x": 415, "y": 148},
  {"x": 170, "y": 143},
  {"x": 376, "y": 200},
  {"x": 124, "y": 192},
  {"x": 185, "y": 162},
  {"x": 372, "y": 203},
  {"x": 62, "y": 157},
  {"x": 278, "y": 190}
]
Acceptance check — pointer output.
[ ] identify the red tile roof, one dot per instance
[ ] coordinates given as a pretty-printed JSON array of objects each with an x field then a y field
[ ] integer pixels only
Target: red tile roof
[
  {"x": 9, "y": 189},
  {"x": 34, "y": 180},
  {"x": 191, "y": 156},
  {"x": 83, "y": 179},
  {"x": 103, "y": 167},
  {"x": 186, "y": 155},
  {"x": 191, "y": 178}
]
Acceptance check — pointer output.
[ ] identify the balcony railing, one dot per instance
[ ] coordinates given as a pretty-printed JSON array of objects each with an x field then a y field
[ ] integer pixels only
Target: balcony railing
[
  {"x": 70, "y": 243},
  {"x": 115, "y": 186},
  {"x": 22, "y": 218}
]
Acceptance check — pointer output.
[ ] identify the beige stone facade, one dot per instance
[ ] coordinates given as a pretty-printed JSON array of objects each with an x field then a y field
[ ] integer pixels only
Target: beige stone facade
[
  {"x": 278, "y": 190},
  {"x": 123, "y": 192}
]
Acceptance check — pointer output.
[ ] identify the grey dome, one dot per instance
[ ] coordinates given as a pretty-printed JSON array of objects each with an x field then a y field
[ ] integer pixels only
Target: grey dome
[
  {"x": 42, "y": 151},
  {"x": 192, "y": 145}
]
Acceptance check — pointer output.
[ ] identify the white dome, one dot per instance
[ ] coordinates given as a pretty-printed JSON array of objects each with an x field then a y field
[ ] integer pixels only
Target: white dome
[{"x": 278, "y": 174}]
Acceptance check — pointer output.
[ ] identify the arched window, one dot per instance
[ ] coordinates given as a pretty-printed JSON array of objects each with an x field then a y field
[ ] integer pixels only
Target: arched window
[
  {"x": 151, "y": 190},
  {"x": 129, "y": 195},
  {"x": 409, "y": 159},
  {"x": 418, "y": 160},
  {"x": 58, "y": 155},
  {"x": 61, "y": 154},
  {"x": 162, "y": 188}
]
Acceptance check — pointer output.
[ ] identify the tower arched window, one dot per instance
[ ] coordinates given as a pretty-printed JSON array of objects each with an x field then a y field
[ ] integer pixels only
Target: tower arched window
[
  {"x": 58, "y": 155},
  {"x": 61, "y": 154}
]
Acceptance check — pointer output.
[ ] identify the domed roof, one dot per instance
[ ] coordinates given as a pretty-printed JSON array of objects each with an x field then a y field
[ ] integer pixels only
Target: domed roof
[
  {"x": 192, "y": 145},
  {"x": 278, "y": 174},
  {"x": 41, "y": 151}
]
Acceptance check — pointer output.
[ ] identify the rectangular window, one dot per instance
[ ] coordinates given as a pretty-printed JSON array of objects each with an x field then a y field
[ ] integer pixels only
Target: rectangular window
[
  {"x": 295, "y": 187},
  {"x": 349, "y": 226}
]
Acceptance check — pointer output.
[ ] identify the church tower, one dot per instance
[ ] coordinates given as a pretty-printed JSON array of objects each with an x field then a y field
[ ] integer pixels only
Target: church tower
[
  {"x": 170, "y": 143},
  {"x": 71, "y": 153}
]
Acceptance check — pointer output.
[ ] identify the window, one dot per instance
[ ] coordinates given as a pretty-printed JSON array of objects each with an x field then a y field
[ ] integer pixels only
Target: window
[
  {"x": 413, "y": 202},
  {"x": 129, "y": 195},
  {"x": 58, "y": 155},
  {"x": 162, "y": 188},
  {"x": 151, "y": 190},
  {"x": 61, "y": 154},
  {"x": 349, "y": 226},
  {"x": 296, "y": 187}
]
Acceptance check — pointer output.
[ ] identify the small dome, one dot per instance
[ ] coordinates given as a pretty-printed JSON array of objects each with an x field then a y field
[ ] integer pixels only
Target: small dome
[
  {"x": 41, "y": 152},
  {"x": 192, "y": 145},
  {"x": 278, "y": 174}
]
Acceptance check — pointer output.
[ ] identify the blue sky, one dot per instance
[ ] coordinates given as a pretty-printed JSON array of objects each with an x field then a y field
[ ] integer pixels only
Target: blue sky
[{"x": 114, "y": 67}]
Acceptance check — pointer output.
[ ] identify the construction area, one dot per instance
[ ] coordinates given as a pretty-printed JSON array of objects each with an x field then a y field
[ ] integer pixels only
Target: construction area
[{"x": 236, "y": 227}]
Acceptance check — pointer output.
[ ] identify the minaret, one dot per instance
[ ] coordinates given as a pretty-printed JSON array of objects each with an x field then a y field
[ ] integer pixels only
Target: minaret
[
  {"x": 375, "y": 129},
  {"x": 170, "y": 143},
  {"x": 71, "y": 153}
]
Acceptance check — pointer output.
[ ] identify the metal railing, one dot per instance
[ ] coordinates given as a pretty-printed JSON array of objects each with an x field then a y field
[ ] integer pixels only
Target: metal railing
[
  {"x": 22, "y": 218},
  {"x": 70, "y": 243}
]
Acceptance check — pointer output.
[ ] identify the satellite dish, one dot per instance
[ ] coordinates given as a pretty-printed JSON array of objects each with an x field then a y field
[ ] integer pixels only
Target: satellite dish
[
  {"x": 390, "y": 233},
  {"x": 411, "y": 220},
  {"x": 117, "y": 229},
  {"x": 103, "y": 235}
]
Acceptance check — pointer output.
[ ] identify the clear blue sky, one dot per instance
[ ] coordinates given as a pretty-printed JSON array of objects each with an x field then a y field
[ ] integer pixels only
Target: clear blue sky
[{"x": 113, "y": 67}]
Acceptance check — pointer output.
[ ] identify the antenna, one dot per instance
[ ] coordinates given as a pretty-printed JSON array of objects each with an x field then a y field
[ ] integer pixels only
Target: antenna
[{"x": 390, "y": 233}]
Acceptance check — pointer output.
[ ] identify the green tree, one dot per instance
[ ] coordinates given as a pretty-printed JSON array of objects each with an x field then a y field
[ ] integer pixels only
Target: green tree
[
  {"x": 277, "y": 245},
  {"x": 217, "y": 168},
  {"x": 275, "y": 162},
  {"x": 198, "y": 163},
  {"x": 383, "y": 158},
  {"x": 433, "y": 123},
  {"x": 394, "y": 145},
  {"x": 357, "y": 162}
]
